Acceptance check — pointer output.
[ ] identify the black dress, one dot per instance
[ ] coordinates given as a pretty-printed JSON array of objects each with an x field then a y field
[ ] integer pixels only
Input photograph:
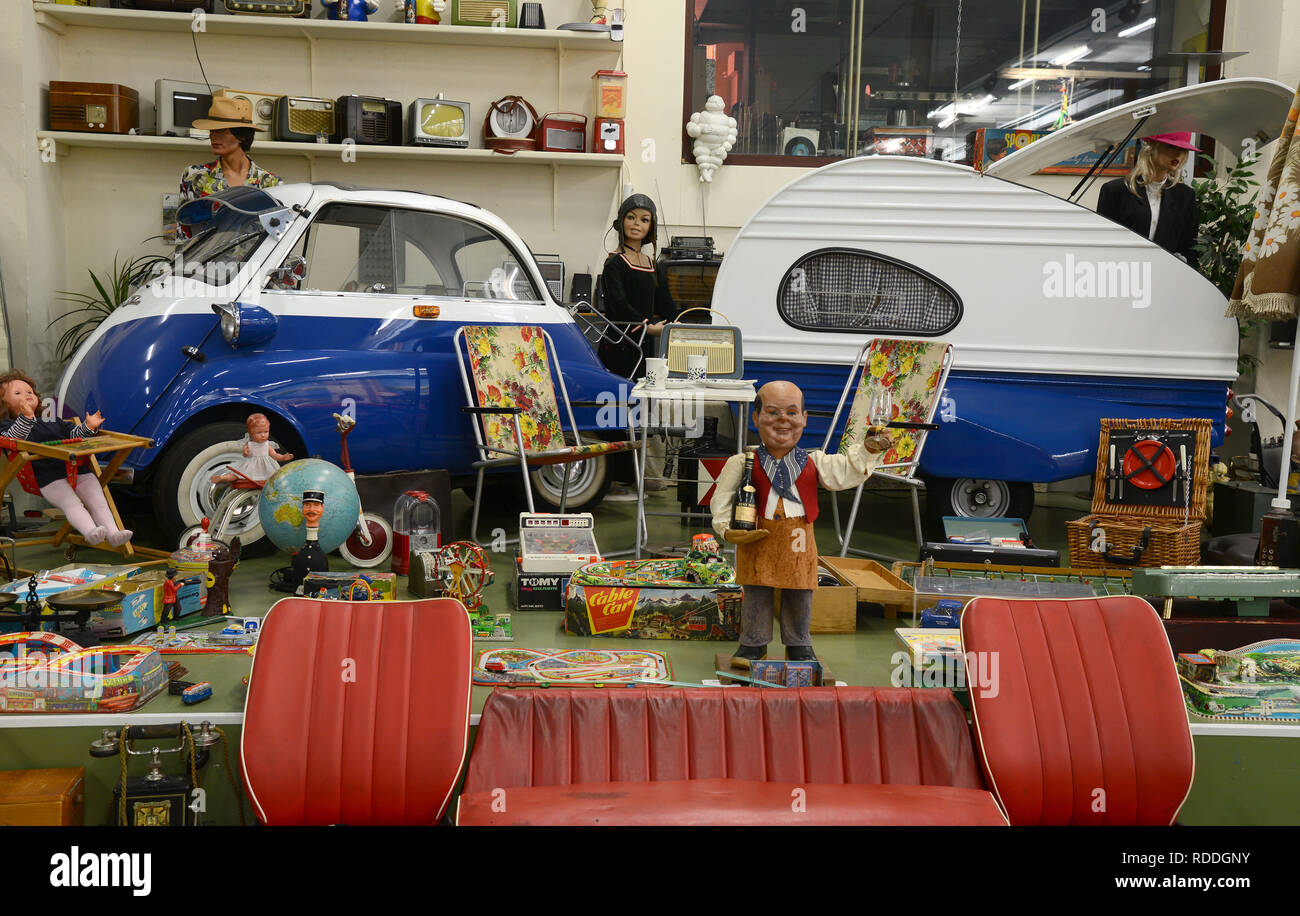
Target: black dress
[
  {"x": 633, "y": 294},
  {"x": 1179, "y": 222}
]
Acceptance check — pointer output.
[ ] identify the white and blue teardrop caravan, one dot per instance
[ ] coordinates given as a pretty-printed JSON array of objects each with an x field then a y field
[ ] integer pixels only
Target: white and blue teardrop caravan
[{"x": 1058, "y": 316}]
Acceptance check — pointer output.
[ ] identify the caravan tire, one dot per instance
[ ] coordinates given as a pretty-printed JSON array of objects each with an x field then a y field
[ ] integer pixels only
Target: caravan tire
[{"x": 972, "y": 497}]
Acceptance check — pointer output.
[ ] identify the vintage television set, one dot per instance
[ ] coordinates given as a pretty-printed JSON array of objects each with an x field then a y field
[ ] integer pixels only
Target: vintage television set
[
  {"x": 263, "y": 108},
  {"x": 301, "y": 119},
  {"x": 690, "y": 264},
  {"x": 102, "y": 108},
  {"x": 177, "y": 105},
  {"x": 438, "y": 122},
  {"x": 367, "y": 121},
  {"x": 499, "y": 13}
]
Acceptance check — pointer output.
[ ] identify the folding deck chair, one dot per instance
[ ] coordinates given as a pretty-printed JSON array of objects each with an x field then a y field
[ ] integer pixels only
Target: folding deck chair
[
  {"x": 914, "y": 373},
  {"x": 507, "y": 374}
]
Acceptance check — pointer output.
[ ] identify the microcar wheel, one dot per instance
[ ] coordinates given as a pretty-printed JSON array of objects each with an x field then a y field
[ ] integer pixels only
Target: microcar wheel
[
  {"x": 588, "y": 482},
  {"x": 381, "y": 544},
  {"x": 971, "y": 497},
  {"x": 184, "y": 493}
]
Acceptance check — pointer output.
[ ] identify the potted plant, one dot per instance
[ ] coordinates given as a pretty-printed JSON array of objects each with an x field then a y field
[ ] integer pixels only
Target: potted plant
[
  {"x": 111, "y": 289},
  {"x": 1226, "y": 202}
]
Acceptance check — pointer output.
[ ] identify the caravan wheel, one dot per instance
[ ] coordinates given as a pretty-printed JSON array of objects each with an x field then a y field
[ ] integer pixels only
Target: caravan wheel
[{"x": 972, "y": 497}]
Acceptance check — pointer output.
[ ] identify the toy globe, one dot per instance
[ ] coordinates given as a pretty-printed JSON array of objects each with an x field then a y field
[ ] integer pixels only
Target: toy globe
[{"x": 280, "y": 507}]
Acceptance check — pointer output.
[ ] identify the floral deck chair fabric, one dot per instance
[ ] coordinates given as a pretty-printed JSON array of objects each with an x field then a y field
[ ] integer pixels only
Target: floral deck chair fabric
[
  {"x": 510, "y": 366},
  {"x": 913, "y": 373}
]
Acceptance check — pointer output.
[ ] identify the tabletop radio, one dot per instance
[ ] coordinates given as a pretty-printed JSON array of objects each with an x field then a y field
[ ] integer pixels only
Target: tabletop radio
[
  {"x": 562, "y": 132},
  {"x": 102, "y": 108},
  {"x": 438, "y": 122},
  {"x": 164, "y": 6},
  {"x": 303, "y": 120},
  {"x": 510, "y": 125},
  {"x": 178, "y": 105},
  {"x": 288, "y": 8},
  {"x": 504, "y": 14},
  {"x": 263, "y": 108},
  {"x": 368, "y": 121}
]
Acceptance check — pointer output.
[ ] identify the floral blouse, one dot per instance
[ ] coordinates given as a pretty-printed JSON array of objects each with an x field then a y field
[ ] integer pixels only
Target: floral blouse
[{"x": 202, "y": 180}]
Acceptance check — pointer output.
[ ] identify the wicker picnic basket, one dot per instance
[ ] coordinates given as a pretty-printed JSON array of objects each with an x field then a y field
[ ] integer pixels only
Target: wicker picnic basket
[{"x": 1138, "y": 535}]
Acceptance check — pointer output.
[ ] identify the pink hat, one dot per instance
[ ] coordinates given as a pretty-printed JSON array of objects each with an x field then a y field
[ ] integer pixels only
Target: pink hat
[{"x": 1180, "y": 140}]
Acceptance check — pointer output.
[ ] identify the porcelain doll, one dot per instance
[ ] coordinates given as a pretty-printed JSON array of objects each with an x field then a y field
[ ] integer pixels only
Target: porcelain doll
[
  {"x": 261, "y": 460},
  {"x": 80, "y": 496}
]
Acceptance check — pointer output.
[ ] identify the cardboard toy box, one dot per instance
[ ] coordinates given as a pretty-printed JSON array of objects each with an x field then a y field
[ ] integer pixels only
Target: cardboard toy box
[
  {"x": 543, "y": 592},
  {"x": 142, "y": 606},
  {"x": 703, "y": 612},
  {"x": 328, "y": 585}
]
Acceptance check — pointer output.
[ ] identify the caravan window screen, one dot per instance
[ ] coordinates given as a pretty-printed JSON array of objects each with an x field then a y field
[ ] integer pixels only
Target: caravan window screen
[{"x": 844, "y": 290}]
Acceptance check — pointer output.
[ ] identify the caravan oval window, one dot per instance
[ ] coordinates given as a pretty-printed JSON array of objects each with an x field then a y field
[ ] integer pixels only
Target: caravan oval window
[{"x": 842, "y": 290}]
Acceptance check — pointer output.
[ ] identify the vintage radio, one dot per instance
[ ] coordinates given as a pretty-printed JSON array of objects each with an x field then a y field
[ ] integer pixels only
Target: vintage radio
[
  {"x": 504, "y": 14},
  {"x": 438, "y": 122},
  {"x": 532, "y": 17},
  {"x": 510, "y": 125},
  {"x": 368, "y": 121},
  {"x": 263, "y": 108},
  {"x": 178, "y": 105},
  {"x": 303, "y": 120},
  {"x": 104, "y": 108},
  {"x": 562, "y": 132},
  {"x": 165, "y": 6},
  {"x": 608, "y": 134},
  {"x": 288, "y": 8}
]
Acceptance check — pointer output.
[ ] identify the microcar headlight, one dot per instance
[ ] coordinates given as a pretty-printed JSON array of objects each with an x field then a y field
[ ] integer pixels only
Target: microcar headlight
[{"x": 245, "y": 325}]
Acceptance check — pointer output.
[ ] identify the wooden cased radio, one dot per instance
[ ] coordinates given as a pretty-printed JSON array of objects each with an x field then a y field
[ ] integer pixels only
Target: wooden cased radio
[
  {"x": 504, "y": 14},
  {"x": 367, "y": 121},
  {"x": 102, "y": 108},
  {"x": 303, "y": 120}
]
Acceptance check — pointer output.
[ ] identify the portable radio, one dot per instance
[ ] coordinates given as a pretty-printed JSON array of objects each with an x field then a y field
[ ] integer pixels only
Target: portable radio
[
  {"x": 102, "y": 108},
  {"x": 165, "y": 6},
  {"x": 177, "y": 105},
  {"x": 532, "y": 17},
  {"x": 263, "y": 108},
  {"x": 562, "y": 132},
  {"x": 368, "y": 121},
  {"x": 438, "y": 122},
  {"x": 288, "y": 8},
  {"x": 609, "y": 135},
  {"x": 302, "y": 120},
  {"x": 485, "y": 13},
  {"x": 510, "y": 125}
]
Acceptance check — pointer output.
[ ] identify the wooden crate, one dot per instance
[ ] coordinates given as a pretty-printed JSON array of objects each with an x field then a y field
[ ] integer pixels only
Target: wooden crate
[
  {"x": 43, "y": 798},
  {"x": 874, "y": 583},
  {"x": 835, "y": 607}
]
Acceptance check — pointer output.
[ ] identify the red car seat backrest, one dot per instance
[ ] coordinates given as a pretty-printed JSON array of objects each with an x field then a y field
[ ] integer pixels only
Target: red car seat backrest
[
  {"x": 1080, "y": 717},
  {"x": 818, "y": 735},
  {"x": 357, "y": 712}
]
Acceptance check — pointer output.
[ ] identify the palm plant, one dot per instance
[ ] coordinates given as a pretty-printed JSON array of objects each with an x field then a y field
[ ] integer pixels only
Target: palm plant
[
  {"x": 110, "y": 290},
  {"x": 1226, "y": 202}
]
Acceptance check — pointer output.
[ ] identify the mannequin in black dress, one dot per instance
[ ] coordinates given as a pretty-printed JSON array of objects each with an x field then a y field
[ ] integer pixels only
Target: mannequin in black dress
[
  {"x": 635, "y": 292},
  {"x": 1152, "y": 189}
]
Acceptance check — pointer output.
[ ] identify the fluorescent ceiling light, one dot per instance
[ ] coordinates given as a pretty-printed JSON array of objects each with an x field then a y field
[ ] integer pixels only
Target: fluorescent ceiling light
[
  {"x": 1140, "y": 27},
  {"x": 1071, "y": 56},
  {"x": 942, "y": 111},
  {"x": 976, "y": 106},
  {"x": 1024, "y": 82},
  {"x": 946, "y": 122}
]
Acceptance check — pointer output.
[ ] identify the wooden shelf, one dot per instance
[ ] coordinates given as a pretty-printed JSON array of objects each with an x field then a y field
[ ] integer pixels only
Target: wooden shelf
[
  {"x": 65, "y": 140},
  {"x": 59, "y": 18}
]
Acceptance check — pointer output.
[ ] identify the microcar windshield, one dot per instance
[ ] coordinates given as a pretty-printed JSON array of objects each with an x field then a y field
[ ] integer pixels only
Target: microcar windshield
[{"x": 225, "y": 230}]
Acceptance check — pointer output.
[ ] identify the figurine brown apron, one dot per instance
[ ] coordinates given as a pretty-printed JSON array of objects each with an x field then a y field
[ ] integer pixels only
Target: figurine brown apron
[{"x": 772, "y": 561}]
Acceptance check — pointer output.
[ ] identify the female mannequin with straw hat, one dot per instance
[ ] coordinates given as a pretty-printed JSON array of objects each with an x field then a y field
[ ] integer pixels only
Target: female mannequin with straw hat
[
  {"x": 230, "y": 131},
  {"x": 1151, "y": 201}
]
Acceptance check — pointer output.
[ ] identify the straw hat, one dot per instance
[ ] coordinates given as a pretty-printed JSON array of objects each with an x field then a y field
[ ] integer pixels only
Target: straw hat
[{"x": 226, "y": 113}]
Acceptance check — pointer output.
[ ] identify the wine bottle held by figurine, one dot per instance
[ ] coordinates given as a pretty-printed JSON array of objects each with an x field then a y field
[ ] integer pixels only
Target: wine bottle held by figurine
[{"x": 744, "y": 514}]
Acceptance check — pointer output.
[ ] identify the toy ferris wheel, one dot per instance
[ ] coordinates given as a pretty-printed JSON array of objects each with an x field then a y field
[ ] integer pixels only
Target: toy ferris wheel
[{"x": 465, "y": 572}]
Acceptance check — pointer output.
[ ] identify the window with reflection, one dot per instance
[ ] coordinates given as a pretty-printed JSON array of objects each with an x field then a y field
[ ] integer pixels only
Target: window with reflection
[{"x": 826, "y": 79}]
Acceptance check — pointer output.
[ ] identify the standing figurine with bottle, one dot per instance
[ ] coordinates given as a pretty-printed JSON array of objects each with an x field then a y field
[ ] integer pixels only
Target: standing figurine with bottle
[{"x": 765, "y": 502}]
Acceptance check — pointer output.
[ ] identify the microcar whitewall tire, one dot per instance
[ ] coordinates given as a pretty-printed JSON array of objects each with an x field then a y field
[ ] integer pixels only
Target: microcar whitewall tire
[{"x": 588, "y": 482}]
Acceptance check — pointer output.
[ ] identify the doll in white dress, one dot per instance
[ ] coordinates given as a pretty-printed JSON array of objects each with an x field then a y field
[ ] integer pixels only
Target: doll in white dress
[{"x": 260, "y": 459}]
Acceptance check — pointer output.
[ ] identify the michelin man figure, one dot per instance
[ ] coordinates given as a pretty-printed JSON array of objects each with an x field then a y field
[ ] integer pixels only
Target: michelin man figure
[{"x": 714, "y": 133}]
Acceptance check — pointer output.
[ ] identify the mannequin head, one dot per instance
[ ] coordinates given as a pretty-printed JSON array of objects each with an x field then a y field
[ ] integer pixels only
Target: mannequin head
[{"x": 637, "y": 223}]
